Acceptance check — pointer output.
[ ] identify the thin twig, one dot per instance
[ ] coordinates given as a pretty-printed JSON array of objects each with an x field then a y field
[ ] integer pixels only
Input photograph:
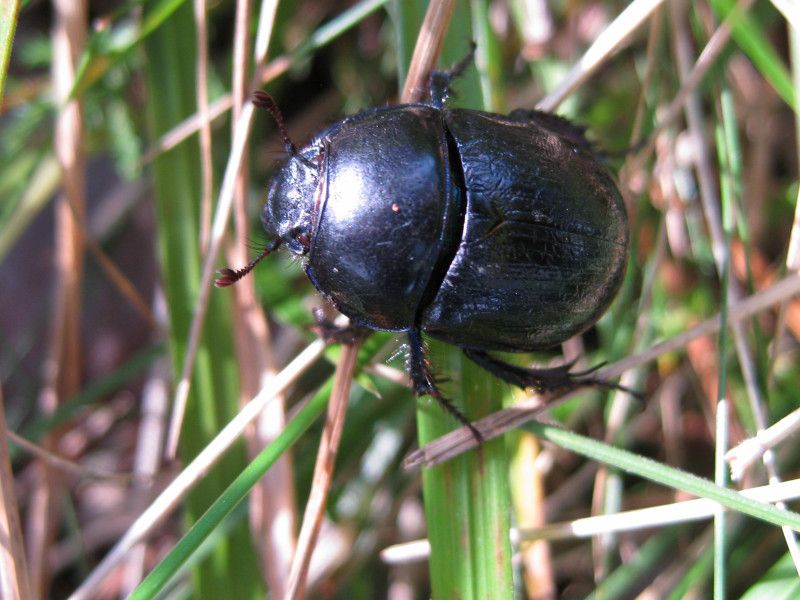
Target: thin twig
[
  {"x": 69, "y": 466},
  {"x": 206, "y": 168},
  {"x": 608, "y": 42},
  {"x": 323, "y": 471},
  {"x": 13, "y": 568},
  {"x": 427, "y": 50},
  {"x": 63, "y": 372}
]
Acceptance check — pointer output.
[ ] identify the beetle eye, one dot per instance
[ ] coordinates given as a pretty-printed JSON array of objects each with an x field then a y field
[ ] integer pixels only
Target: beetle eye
[{"x": 300, "y": 242}]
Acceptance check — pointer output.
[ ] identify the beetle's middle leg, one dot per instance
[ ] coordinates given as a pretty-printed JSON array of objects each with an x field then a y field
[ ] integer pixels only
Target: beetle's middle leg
[
  {"x": 542, "y": 380},
  {"x": 424, "y": 382}
]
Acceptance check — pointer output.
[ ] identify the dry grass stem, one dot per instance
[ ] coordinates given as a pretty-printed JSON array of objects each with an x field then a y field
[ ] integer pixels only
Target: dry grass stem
[
  {"x": 323, "y": 471},
  {"x": 528, "y": 493},
  {"x": 427, "y": 49},
  {"x": 68, "y": 466},
  {"x": 272, "y": 501},
  {"x": 609, "y": 41},
  {"x": 743, "y": 456},
  {"x": 206, "y": 167},
  {"x": 13, "y": 568},
  {"x": 241, "y": 134},
  {"x": 117, "y": 278},
  {"x": 224, "y": 204},
  {"x": 63, "y": 372}
]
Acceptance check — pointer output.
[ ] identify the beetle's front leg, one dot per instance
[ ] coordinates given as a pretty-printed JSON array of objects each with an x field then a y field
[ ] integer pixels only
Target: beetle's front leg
[
  {"x": 333, "y": 333},
  {"x": 542, "y": 380},
  {"x": 424, "y": 382}
]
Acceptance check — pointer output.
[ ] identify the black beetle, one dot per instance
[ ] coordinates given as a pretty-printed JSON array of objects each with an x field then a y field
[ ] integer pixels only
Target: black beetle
[{"x": 489, "y": 232}]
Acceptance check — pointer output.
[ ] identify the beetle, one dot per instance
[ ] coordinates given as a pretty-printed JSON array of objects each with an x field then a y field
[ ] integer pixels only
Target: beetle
[{"x": 489, "y": 232}]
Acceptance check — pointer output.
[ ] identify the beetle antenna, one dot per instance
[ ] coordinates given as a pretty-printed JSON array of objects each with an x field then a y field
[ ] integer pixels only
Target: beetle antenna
[
  {"x": 228, "y": 276},
  {"x": 263, "y": 100}
]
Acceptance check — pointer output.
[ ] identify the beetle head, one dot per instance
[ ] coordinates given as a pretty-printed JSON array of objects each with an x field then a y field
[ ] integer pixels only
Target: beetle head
[{"x": 287, "y": 215}]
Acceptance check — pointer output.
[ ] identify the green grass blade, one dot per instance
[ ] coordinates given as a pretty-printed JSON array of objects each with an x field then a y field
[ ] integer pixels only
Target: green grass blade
[
  {"x": 780, "y": 582},
  {"x": 8, "y": 24},
  {"x": 467, "y": 500},
  {"x": 668, "y": 476}
]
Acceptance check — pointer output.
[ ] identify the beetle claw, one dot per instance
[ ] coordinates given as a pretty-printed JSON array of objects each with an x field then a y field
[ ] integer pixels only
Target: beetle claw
[{"x": 545, "y": 380}]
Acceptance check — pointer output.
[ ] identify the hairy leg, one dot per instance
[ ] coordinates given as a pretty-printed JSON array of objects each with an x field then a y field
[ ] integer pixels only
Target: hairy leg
[
  {"x": 542, "y": 380},
  {"x": 424, "y": 382}
]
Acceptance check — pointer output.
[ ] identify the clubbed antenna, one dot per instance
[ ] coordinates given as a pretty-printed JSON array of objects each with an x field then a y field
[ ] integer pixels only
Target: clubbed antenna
[
  {"x": 229, "y": 276},
  {"x": 264, "y": 100}
]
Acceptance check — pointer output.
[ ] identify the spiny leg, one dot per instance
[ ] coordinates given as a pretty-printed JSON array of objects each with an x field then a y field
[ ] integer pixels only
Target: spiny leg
[
  {"x": 424, "y": 382},
  {"x": 543, "y": 380}
]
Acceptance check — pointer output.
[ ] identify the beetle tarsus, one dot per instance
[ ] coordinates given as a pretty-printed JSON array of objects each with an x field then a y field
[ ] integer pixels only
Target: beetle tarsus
[
  {"x": 554, "y": 379},
  {"x": 425, "y": 383}
]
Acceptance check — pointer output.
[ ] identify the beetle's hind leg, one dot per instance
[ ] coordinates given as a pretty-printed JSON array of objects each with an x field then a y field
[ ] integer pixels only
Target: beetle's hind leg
[
  {"x": 543, "y": 380},
  {"x": 424, "y": 382}
]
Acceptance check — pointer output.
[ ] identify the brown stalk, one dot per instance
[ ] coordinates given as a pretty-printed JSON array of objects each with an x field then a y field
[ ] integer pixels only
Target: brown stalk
[
  {"x": 117, "y": 278},
  {"x": 427, "y": 50},
  {"x": 323, "y": 471},
  {"x": 146, "y": 462},
  {"x": 14, "y": 582},
  {"x": 62, "y": 375},
  {"x": 529, "y": 493},
  {"x": 206, "y": 169},
  {"x": 67, "y": 466},
  {"x": 272, "y": 505}
]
